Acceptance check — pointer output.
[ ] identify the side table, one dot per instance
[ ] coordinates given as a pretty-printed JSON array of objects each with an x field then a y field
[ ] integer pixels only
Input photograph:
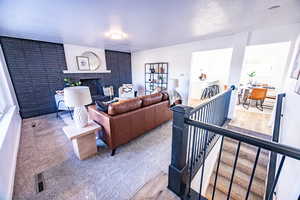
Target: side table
[{"x": 83, "y": 139}]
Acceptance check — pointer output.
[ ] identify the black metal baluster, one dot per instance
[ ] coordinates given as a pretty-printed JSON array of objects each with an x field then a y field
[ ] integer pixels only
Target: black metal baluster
[
  {"x": 202, "y": 130},
  {"x": 194, "y": 142},
  {"x": 217, "y": 170},
  {"x": 276, "y": 178},
  {"x": 233, "y": 171},
  {"x": 253, "y": 172},
  {"x": 203, "y": 165},
  {"x": 200, "y": 135},
  {"x": 197, "y": 138},
  {"x": 191, "y": 163},
  {"x": 189, "y": 157}
]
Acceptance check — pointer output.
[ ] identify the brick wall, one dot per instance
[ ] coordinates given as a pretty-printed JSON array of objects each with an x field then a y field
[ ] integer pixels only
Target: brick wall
[{"x": 36, "y": 69}]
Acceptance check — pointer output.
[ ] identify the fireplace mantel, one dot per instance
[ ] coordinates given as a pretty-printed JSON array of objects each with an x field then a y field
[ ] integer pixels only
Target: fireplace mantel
[{"x": 87, "y": 72}]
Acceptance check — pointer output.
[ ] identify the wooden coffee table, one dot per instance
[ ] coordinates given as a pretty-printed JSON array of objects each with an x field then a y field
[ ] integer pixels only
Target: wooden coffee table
[{"x": 83, "y": 139}]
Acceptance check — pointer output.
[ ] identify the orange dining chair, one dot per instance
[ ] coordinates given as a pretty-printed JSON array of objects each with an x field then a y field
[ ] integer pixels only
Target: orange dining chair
[{"x": 259, "y": 95}]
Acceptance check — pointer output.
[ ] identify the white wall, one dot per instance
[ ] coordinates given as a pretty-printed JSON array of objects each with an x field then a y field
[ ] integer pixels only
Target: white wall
[
  {"x": 289, "y": 181},
  {"x": 71, "y": 51},
  {"x": 10, "y": 129},
  {"x": 179, "y": 56}
]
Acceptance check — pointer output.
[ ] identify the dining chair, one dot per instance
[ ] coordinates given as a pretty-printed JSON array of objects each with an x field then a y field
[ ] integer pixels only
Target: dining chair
[{"x": 257, "y": 94}]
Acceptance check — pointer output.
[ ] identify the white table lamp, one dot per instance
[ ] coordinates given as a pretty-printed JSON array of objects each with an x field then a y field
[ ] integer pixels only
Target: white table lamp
[
  {"x": 173, "y": 93},
  {"x": 173, "y": 83},
  {"x": 78, "y": 97}
]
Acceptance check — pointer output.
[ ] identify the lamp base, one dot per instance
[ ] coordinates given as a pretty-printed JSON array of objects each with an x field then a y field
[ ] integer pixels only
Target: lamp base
[{"x": 80, "y": 116}]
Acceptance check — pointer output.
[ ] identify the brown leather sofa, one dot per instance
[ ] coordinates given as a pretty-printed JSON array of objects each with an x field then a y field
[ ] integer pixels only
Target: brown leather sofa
[{"x": 128, "y": 119}]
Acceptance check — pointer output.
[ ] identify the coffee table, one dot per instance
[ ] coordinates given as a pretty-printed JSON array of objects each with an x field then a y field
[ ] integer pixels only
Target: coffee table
[{"x": 83, "y": 139}]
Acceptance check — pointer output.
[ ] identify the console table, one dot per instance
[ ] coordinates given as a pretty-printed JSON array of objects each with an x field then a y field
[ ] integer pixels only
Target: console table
[{"x": 83, "y": 139}]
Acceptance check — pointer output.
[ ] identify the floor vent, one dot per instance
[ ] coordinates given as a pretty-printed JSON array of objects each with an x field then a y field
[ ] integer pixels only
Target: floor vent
[{"x": 39, "y": 182}]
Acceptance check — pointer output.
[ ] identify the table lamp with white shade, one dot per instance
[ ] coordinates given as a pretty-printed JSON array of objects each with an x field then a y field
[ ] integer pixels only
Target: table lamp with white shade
[
  {"x": 78, "y": 97},
  {"x": 174, "y": 95}
]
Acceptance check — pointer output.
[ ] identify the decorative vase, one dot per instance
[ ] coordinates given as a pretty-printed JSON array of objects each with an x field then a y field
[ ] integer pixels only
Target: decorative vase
[{"x": 80, "y": 116}]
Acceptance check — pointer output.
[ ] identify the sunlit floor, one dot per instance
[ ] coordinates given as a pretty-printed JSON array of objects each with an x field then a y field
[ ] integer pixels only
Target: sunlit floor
[
  {"x": 252, "y": 119},
  {"x": 195, "y": 102}
]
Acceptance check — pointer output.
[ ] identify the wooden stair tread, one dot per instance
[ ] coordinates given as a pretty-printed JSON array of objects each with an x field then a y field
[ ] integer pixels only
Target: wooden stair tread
[
  {"x": 245, "y": 165},
  {"x": 242, "y": 179},
  {"x": 237, "y": 192},
  {"x": 219, "y": 195},
  {"x": 249, "y": 146},
  {"x": 245, "y": 152},
  {"x": 243, "y": 172}
]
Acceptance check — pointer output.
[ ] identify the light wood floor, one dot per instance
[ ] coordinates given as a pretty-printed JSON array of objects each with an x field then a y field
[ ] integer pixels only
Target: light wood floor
[
  {"x": 156, "y": 189},
  {"x": 252, "y": 120}
]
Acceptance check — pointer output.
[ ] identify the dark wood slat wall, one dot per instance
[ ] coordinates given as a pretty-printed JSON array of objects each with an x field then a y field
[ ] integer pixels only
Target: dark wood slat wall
[{"x": 36, "y": 69}]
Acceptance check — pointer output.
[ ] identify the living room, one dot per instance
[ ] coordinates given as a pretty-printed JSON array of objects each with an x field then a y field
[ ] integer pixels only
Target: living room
[{"x": 86, "y": 88}]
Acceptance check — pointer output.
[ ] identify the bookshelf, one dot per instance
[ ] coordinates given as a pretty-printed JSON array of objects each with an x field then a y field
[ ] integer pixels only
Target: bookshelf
[{"x": 156, "y": 75}]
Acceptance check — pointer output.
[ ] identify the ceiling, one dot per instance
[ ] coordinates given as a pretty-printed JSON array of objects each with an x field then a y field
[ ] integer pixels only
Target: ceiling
[{"x": 147, "y": 23}]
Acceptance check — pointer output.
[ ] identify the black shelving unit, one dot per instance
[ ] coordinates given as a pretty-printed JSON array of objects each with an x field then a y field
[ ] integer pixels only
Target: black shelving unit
[{"x": 156, "y": 75}]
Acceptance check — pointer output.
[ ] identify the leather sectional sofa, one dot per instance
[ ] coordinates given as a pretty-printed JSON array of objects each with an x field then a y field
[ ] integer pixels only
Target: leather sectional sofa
[{"x": 128, "y": 119}]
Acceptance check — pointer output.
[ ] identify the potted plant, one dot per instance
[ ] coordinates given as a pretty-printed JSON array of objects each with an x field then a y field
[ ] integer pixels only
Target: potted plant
[
  {"x": 251, "y": 77},
  {"x": 69, "y": 83}
]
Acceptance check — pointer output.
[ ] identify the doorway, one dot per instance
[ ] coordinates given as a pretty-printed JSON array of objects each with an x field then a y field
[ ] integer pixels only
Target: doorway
[
  {"x": 209, "y": 68},
  {"x": 262, "y": 77}
]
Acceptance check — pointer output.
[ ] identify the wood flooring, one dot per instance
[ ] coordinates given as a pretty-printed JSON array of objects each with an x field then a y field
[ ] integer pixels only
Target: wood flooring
[{"x": 156, "y": 189}]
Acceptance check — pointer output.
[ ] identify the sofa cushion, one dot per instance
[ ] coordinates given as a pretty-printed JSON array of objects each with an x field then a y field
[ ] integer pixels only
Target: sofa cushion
[
  {"x": 165, "y": 95},
  {"x": 151, "y": 99},
  {"x": 124, "y": 106}
]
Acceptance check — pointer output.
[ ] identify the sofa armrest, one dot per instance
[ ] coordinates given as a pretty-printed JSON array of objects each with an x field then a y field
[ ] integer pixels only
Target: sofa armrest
[
  {"x": 93, "y": 109},
  {"x": 102, "y": 119}
]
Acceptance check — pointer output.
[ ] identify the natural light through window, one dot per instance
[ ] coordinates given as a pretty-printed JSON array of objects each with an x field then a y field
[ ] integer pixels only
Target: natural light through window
[{"x": 265, "y": 64}]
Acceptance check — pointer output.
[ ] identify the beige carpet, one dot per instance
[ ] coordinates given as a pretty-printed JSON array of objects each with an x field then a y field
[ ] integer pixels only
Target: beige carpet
[{"x": 45, "y": 149}]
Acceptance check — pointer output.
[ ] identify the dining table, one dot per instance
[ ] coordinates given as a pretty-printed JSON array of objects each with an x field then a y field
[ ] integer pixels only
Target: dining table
[{"x": 245, "y": 90}]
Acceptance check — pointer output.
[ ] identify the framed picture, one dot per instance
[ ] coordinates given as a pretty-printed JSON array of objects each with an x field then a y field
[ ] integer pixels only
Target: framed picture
[
  {"x": 296, "y": 65},
  {"x": 83, "y": 63}
]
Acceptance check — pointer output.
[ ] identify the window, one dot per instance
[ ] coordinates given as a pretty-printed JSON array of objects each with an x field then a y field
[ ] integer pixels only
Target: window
[{"x": 267, "y": 62}]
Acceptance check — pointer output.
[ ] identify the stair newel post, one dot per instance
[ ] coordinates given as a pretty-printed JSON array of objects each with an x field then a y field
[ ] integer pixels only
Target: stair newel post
[{"x": 178, "y": 169}]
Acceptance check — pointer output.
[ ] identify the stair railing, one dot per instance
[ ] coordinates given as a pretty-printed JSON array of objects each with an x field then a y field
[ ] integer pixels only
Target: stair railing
[
  {"x": 275, "y": 138},
  {"x": 192, "y": 136},
  {"x": 191, "y": 145},
  {"x": 260, "y": 144}
]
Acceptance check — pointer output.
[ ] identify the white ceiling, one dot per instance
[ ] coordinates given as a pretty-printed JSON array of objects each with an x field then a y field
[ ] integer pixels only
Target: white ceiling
[{"x": 148, "y": 23}]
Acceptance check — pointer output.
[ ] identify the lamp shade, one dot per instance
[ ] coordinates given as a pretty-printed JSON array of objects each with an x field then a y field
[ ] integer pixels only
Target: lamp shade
[
  {"x": 173, "y": 83},
  {"x": 77, "y": 96}
]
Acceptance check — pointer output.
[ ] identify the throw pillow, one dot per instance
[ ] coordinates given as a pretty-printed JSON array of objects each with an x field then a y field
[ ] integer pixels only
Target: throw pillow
[{"x": 103, "y": 106}]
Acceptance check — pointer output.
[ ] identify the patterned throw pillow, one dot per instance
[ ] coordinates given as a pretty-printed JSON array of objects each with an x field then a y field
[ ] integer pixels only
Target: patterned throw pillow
[{"x": 103, "y": 106}]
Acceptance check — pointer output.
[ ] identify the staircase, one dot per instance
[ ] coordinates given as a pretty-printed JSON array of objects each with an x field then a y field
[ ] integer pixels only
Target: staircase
[{"x": 242, "y": 174}]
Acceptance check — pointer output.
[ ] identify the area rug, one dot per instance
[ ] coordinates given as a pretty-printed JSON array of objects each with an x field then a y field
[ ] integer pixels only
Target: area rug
[{"x": 101, "y": 177}]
